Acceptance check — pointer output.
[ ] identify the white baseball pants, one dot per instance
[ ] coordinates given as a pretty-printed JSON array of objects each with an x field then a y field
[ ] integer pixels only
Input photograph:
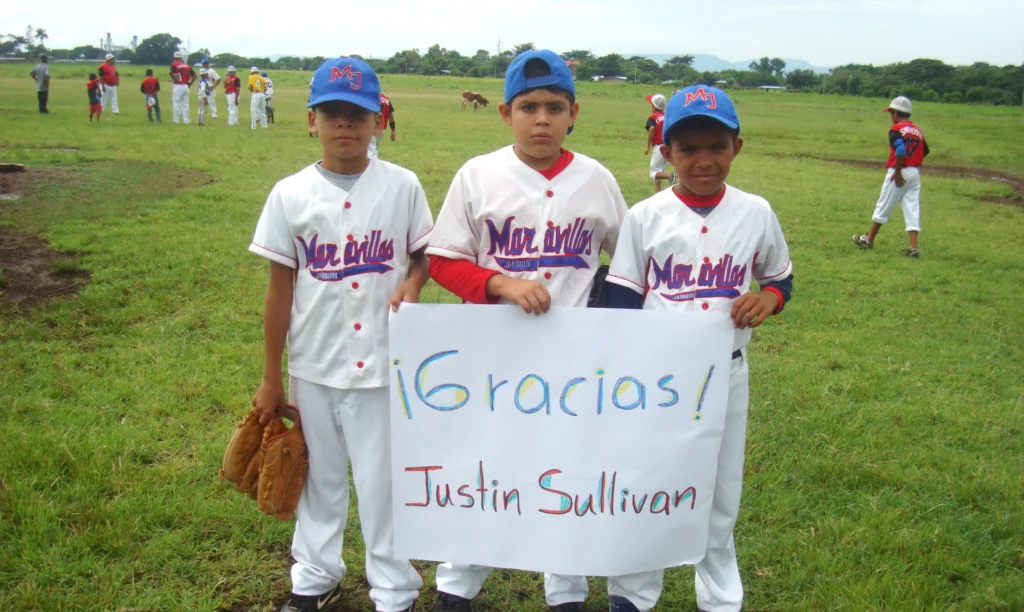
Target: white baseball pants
[
  {"x": 109, "y": 98},
  {"x": 338, "y": 425},
  {"x": 717, "y": 581},
  {"x": 201, "y": 118},
  {"x": 467, "y": 580},
  {"x": 658, "y": 161},
  {"x": 258, "y": 109},
  {"x": 232, "y": 108},
  {"x": 909, "y": 195},
  {"x": 212, "y": 98},
  {"x": 179, "y": 100}
]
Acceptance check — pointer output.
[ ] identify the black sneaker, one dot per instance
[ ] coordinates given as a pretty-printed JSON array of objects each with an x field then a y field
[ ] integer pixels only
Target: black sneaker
[
  {"x": 572, "y": 606},
  {"x": 446, "y": 602},
  {"x": 311, "y": 603},
  {"x": 617, "y": 603},
  {"x": 912, "y": 253},
  {"x": 862, "y": 241}
]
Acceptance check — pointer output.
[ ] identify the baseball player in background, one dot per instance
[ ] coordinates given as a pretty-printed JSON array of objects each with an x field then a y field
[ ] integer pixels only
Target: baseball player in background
[
  {"x": 232, "y": 89},
  {"x": 536, "y": 188},
  {"x": 203, "y": 94},
  {"x": 214, "y": 81},
  {"x": 376, "y": 214},
  {"x": 110, "y": 78},
  {"x": 902, "y": 184},
  {"x": 387, "y": 117},
  {"x": 257, "y": 103},
  {"x": 150, "y": 88},
  {"x": 673, "y": 254},
  {"x": 654, "y": 141},
  {"x": 182, "y": 75}
]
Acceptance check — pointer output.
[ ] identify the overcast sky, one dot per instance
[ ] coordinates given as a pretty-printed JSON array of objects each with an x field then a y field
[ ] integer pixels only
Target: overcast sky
[{"x": 823, "y": 32}]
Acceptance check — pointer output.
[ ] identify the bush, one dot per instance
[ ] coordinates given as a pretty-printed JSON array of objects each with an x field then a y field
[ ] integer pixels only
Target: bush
[{"x": 953, "y": 97}]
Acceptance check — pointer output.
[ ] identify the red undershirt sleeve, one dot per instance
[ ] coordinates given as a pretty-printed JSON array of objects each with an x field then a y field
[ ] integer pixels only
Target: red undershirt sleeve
[{"x": 463, "y": 278}]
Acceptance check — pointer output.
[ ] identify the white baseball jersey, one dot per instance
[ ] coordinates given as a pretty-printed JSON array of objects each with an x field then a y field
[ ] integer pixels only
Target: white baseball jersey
[
  {"x": 503, "y": 215},
  {"x": 214, "y": 77},
  {"x": 679, "y": 259},
  {"x": 203, "y": 89},
  {"x": 349, "y": 251}
]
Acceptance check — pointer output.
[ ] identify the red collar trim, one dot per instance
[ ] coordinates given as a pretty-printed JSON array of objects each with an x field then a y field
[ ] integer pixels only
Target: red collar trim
[
  {"x": 560, "y": 164},
  {"x": 696, "y": 201}
]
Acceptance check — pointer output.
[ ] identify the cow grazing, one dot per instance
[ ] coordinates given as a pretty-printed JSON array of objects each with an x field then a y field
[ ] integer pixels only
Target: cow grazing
[{"x": 475, "y": 98}]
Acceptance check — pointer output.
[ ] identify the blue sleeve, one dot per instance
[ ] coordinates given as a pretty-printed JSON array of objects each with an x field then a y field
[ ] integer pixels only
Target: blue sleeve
[
  {"x": 785, "y": 286},
  {"x": 623, "y": 298},
  {"x": 900, "y": 147}
]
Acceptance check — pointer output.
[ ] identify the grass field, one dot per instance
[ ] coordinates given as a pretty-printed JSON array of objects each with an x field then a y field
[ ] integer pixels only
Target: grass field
[{"x": 885, "y": 466}]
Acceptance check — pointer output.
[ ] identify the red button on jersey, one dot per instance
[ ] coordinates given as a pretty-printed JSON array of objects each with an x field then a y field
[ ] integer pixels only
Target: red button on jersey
[
  {"x": 550, "y": 194},
  {"x": 704, "y": 306},
  {"x": 348, "y": 204},
  {"x": 547, "y": 275},
  {"x": 704, "y": 230},
  {"x": 359, "y": 364},
  {"x": 707, "y": 260},
  {"x": 355, "y": 285},
  {"x": 551, "y": 223},
  {"x": 358, "y": 327},
  {"x": 349, "y": 237}
]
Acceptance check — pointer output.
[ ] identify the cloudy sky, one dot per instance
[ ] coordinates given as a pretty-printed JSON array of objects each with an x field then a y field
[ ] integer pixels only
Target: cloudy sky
[{"x": 823, "y": 32}]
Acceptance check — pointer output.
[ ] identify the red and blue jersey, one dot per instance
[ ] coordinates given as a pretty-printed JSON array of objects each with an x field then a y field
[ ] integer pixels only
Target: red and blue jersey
[{"x": 907, "y": 141}]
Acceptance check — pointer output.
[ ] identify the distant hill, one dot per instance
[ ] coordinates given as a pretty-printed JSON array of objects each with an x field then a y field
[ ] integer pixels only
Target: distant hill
[{"x": 712, "y": 63}]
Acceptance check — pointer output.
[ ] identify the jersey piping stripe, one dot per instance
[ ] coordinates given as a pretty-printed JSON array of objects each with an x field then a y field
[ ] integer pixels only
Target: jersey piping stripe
[
  {"x": 260, "y": 246},
  {"x": 425, "y": 234},
  {"x": 439, "y": 248},
  {"x": 784, "y": 270},
  {"x": 639, "y": 288}
]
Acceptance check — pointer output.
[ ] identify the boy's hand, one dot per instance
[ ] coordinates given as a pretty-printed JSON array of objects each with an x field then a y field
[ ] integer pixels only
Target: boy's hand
[
  {"x": 392, "y": 135},
  {"x": 268, "y": 400},
  {"x": 647, "y": 151},
  {"x": 751, "y": 309},
  {"x": 897, "y": 178},
  {"x": 406, "y": 292},
  {"x": 532, "y": 296}
]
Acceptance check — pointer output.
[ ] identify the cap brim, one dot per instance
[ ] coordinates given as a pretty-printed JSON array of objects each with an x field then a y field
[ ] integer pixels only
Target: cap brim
[
  {"x": 351, "y": 98},
  {"x": 728, "y": 124},
  {"x": 886, "y": 109}
]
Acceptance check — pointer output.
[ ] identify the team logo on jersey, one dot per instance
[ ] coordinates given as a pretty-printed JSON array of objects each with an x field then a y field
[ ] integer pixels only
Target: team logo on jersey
[
  {"x": 370, "y": 255},
  {"x": 714, "y": 280},
  {"x": 514, "y": 250},
  {"x": 701, "y": 94},
  {"x": 355, "y": 78}
]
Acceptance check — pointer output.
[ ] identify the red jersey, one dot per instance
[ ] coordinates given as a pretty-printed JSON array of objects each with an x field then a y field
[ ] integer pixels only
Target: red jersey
[
  {"x": 232, "y": 84},
  {"x": 913, "y": 143},
  {"x": 655, "y": 122},
  {"x": 93, "y": 89},
  {"x": 108, "y": 74},
  {"x": 385, "y": 110},
  {"x": 181, "y": 73},
  {"x": 150, "y": 85}
]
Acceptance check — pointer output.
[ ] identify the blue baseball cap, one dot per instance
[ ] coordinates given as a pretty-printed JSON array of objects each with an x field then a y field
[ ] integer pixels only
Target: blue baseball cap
[
  {"x": 345, "y": 79},
  {"x": 205, "y": 61},
  {"x": 516, "y": 81},
  {"x": 700, "y": 101},
  {"x": 263, "y": 74}
]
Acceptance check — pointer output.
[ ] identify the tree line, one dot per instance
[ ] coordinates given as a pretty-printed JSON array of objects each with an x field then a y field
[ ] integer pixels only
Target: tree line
[{"x": 920, "y": 79}]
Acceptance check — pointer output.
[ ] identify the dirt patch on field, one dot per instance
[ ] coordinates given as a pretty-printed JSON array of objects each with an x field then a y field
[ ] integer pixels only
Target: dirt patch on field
[
  {"x": 31, "y": 271},
  {"x": 976, "y": 173}
]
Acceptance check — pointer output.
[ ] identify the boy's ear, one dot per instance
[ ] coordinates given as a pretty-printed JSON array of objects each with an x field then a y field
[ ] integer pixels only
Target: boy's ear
[
  {"x": 737, "y": 144},
  {"x": 666, "y": 151},
  {"x": 378, "y": 125},
  {"x": 311, "y": 116},
  {"x": 506, "y": 113}
]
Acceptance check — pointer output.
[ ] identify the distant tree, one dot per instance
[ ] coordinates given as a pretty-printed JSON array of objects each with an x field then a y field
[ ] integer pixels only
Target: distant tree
[
  {"x": 801, "y": 79},
  {"x": 680, "y": 60},
  {"x": 611, "y": 65},
  {"x": 41, "y": 36},
  {"x": 157, "y": 49},
  {"x": 522, "y": 48},
  {"x": 578, "y": 54},
  {"x": 777, "y": 66},
  {"x": 199, "y": 54},
  {"x": 86, "y": 52}
]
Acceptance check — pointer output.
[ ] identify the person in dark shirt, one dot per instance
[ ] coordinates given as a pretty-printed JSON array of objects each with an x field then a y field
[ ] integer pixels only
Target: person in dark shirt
[
  {"x": 95, "y": 89},
  {"x": 150, "y": 88}
]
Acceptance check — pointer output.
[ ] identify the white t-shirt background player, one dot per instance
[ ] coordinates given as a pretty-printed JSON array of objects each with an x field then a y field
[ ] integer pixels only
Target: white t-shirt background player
[
  {"x": 214, "y": 82},
  {"x": 345, "y": 239}
]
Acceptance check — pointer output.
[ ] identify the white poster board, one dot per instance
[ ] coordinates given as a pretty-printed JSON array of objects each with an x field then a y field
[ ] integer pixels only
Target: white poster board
[{"x": 580, "y": 442}]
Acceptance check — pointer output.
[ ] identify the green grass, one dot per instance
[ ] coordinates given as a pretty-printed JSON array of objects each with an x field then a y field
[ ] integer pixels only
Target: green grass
[{"x": 885, "y": 465}]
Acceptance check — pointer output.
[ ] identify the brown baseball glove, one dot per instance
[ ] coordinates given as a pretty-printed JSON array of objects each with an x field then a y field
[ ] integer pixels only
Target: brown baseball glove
[{"x": 268, "y": 463}]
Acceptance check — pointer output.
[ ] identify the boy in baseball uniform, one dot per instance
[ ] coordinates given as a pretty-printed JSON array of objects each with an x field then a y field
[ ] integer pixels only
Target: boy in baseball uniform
[
  {"x": 387, "y": 117},
  {"x": 257, "y": 101},
  {"x": 345, "y": 238},
  {"x": 902, "y": 184},
  {"x": 526, "y": 225},
  {"x": 232, "y": 89},
  {"x": 203, "y": 93},
  {"x": 182, "y": 77},
  {"x": 214, "y": 78},
  {"x": 95, "y": 90},
  {"x": 654, "y": 141},
  {"x": 695, "y": 248}
]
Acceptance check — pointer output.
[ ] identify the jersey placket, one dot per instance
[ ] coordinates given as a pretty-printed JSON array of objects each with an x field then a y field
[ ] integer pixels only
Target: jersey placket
[{"x": 358, "y": 351}]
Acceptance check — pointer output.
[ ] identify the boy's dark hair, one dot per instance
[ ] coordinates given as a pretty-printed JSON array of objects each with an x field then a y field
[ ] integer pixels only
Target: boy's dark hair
[
  {"x": 901, "y": 114},
  {"x": 44, "y": 58},
  {"x": 92, "y": 76},
  {"x": 539, "y": 68},
  {"x": 149, "y": 72},
  {"x": 698, "y": 123}
]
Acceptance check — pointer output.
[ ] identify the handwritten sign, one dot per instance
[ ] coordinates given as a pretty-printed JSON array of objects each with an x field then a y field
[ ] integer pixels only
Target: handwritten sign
[{"x": 580, "y": 442}]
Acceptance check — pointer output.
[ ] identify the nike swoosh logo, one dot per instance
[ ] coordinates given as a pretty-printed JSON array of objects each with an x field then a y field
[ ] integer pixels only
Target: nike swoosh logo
[{"x": 323, "y": 601}]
